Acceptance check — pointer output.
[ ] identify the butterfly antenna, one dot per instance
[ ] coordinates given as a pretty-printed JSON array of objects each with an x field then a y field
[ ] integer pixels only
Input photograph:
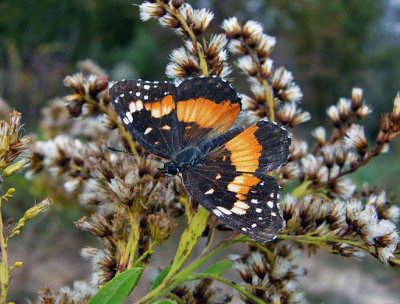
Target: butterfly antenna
[{"x": 133, "y": 154}]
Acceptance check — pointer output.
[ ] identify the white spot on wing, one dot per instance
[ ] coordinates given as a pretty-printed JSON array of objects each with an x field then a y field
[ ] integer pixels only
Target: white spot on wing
[
  {"x": 125, "y": 120},
  {"x": 139, "y": 105},
  {"x": 224, "y": 210},
  {"x": 241, "y": 205},
  {"x": 238, "y": 211},
  {"x": 258, "y": 210},
  {"x": 244, "y": 229},
  {"x": 211, "y": 191},
  {"x": 270, "y": 204},
  {"x": 122, "y": 95},
  {"x": 253, "y": 225},
  {"x": 254, "y": 201},
  {"x": 132, "y": 107},
  {"x": 166, "y": 127},
  {"x": 273, "y": 213},
  {"x": 217, "y": 212},
  {"x": 146, "y": 97},
  {"x": 129, "y": 116},
  {"x": 148, "y": 130},
  {"x": 146, "y": 87},
  {"x": 137, "y": 94}
]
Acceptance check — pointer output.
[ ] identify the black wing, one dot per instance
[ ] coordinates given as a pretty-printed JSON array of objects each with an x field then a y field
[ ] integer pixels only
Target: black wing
[
  {"x": 165, "y": 119},
  {"x": 231, "y": 180},
  {"x": 148, "y": 111}
]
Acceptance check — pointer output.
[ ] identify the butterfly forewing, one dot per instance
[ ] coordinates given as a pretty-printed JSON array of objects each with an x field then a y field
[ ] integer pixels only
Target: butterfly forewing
[
  {"x": 147, "y": 109},
  {"x": 206, "y": 107}
]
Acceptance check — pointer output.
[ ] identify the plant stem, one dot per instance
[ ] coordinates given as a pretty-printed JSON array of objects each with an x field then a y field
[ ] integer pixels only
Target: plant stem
[
  {"x": 4, "y": 270},
  {"x": 187, "y": 242}
]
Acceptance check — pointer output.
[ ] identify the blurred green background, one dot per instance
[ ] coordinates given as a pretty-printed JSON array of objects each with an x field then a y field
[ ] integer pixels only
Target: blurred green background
[{"x": 330, "y": 46}]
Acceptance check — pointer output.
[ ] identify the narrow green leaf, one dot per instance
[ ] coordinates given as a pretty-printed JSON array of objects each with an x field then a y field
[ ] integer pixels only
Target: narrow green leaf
[
  {"x": 189, "y": 238},
  {"x": 218, "y": 268},
  {"x": 160, "y": 277},
  {"x": 118, "y": 288}
]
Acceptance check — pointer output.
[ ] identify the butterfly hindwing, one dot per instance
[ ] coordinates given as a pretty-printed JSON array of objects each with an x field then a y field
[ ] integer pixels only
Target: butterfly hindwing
[
  {"x": 231, "y": 181},
  {"x": 247, "y": 202},
  {"x": 261, "y": 148},
  {"x": 147, "y": 109}
]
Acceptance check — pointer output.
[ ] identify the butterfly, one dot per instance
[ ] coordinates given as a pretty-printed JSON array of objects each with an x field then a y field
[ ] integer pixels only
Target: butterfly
[{"x": 223, "y": 169}]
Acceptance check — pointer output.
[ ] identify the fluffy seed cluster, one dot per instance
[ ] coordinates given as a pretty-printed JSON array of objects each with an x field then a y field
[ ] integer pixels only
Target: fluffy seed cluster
[
  {"x": 14, "y": 151},
  {"x": 271, "y": 87},
  {"x": 81, "y": 292},
  {"x": 201, "y": 291},
  {"x": 337, "y": 220},
  {"x": 117, "y": 186},
  {"x": 194, "y": 58},
  {"x": 272, "y": 277}
]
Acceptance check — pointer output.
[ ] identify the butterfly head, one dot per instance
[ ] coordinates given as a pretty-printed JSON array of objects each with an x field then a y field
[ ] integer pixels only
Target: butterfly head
[{"x": 170, "y": 168}]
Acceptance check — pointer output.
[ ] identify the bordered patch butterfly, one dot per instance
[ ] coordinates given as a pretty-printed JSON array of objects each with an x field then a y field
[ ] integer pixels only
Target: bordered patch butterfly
[{"x": 223, "y": 169}]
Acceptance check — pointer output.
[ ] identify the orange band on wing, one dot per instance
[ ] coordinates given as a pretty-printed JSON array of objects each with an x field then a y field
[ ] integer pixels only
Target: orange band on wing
[
  {"x": 207, "y": 113},
  {"x": 245, "y": 150},
  {"x": 161, "y": 108},
  {"x": 243, "y": 183}
]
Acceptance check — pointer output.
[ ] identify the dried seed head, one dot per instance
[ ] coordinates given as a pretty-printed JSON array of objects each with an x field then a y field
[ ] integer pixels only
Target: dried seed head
[
  {"x": 363, "y": 111},
  {"x": 320, "y": 135},
  {"x": 150, "y": 10},
  {"x": 355, "y": 137},
  {"x": 247, "y": 65},
  {"x": 334, "y": 114},
  {"x": 344, "y": 108},
  {"x": 281, "y": 79},
  {"x": 344, "y": 188},
  {"x": 232, "y": 27},
  {"x": 266, "y": 71},
  {"x": 252, "y": 32},
  {"x": 201, "y": 19},
  {"x": 177, "y": 3},
  {"x": 237, "y": 48},
  {"x": 182, "y": 64},
  {"x": 291, "y": 94},
  {"x": 265, "y": 47},
  {"x": 171, "y": 22},
  {"x": 396, "y": 112},
  {"x": 356, "y": 98}
]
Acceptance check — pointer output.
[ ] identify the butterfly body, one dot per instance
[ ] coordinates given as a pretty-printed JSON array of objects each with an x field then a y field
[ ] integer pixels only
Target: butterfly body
[{"x": 223, "y": 169}]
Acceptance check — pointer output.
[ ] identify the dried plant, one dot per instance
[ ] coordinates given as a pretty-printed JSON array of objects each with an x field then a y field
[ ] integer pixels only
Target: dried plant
[
  {"x": 15, "y": 153},
  {"x": 135, "y": 208}
]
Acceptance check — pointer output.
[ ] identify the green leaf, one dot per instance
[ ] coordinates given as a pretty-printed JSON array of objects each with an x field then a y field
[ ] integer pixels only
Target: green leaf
[
  {"x": 218, "y": 268},
  {"x": 160, "y": 277},
  {"x": 118, "y": 288},
  {"x": 189, "y": 239},
  {"x": 165, "y": 302}
]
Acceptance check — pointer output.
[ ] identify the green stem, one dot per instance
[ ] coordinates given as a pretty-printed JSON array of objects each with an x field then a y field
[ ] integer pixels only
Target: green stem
[
  {"x": 235, "y": 286},
  {"x": 189, "y": 239},
  {"x": 4, "y": 270},
  {"x": 315, "y": 239}
]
